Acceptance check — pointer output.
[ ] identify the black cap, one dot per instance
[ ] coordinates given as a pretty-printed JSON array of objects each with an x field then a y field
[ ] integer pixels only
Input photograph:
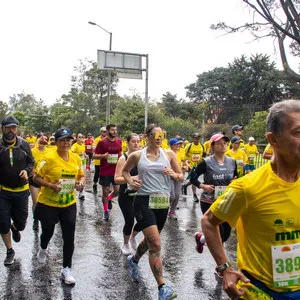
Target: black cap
[
  {"x": 236, "y": 127},
  {"x": 235, "y": 139},
  {"x": 63, "y": 133},
  {"x": 10, "y": 121}
]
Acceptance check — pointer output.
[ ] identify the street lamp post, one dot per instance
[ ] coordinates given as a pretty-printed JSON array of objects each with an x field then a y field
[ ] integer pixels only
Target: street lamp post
[{"x": 109, "y": 74}]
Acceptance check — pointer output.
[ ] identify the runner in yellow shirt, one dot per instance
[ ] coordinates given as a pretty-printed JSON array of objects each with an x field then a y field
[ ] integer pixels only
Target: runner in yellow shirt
[
  {"x": 31, "y": 139},
  {"x": 38, "y": 154},
  {"x": 194, "y": 153},
  {"x": 268, "y": 152},
  {"x": 79, "y": 148},
  {"x": 239, "y": 155},
  {"x": 58, "y": 174},
  {"x": 251, "y": 151},
  {"x": 264, "y": 207}
]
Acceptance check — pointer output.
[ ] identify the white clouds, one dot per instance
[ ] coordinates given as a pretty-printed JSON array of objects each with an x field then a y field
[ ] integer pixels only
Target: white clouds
[{"x": 41, "y": 41}]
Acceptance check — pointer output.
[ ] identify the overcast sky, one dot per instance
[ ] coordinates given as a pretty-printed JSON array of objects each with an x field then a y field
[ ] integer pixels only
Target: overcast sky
[{"x": 42, "y": 41}]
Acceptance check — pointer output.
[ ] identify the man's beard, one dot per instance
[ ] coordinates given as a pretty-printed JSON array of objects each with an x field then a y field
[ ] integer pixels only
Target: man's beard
[
  {"x": 112, "y": 136},
  {"x": 9, "y": 136}
]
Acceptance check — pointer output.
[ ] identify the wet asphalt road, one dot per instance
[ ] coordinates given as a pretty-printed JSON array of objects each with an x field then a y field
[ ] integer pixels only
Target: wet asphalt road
[{"x": 100, "y": 269}]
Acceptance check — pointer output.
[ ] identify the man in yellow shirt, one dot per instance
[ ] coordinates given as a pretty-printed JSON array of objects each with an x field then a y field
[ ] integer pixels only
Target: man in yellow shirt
[
  {"x": 194, "y": 153},
  {"x": 251, "y": 151},
  {"x": 31, "y": 139},
  {"x": 268, "y": 152},
  {"x": 264, "y": 207}
]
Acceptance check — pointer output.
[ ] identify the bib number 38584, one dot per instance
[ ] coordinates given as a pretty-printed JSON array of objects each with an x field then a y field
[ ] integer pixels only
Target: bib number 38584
[{"x": 159, "y": 201}]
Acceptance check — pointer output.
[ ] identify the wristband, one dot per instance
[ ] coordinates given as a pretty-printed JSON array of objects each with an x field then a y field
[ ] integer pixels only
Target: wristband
[{"x": 223, "y": 267}]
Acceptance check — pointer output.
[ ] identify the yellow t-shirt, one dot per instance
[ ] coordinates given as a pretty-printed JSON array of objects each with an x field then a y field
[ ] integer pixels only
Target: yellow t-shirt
[
  {"x": 31, "y": 140},
  {"x": 54, "y": 169},
  {"x": 269, "y": 149},
  {"x": 251, "y": 152},
  {"x": 240, "y": 157},
  {"x": 206, "y": 146},
  {"x": 165, "y": 144},
  {"x": 38, "y": 155},
  {"x": 124, "y": 146},
  {"x": 78, "y": 149},
  {"x": 265, "y": 210},
  {"x": 181, "y": 155},
  {"x": 96, "y": 141},
  {"x": 143, "y": 142},
  {"x": 194, "y": 153},
  {"x": 51, "y": 147}
]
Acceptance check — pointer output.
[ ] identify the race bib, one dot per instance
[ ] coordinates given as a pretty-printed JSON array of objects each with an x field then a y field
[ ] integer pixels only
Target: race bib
[
  {"x": 112, "y": 159},
  {"x": 159, "y": 201},
  {"x": 89, "y": 147},
  {"x": 67, "y": 186},
  {"x": 251, "y": 159},
  {"x": 219, "y": 190},
  {"x": 196, "y": 157},
  {"x": 286, "y": 265}
]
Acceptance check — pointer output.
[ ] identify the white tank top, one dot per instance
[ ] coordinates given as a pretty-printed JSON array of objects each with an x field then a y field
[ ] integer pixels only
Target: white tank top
[{"x": 151, "y": 174}]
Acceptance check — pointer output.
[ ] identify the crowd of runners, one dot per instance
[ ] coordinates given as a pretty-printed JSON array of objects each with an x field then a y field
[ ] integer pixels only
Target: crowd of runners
[{"x": 148, "y": 173}]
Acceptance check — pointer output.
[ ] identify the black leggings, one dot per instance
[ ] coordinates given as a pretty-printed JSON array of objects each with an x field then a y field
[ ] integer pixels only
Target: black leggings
[
  {"x": 96, "y": 174},
  {"x": 224, "y": 228},
  {"x": 125, "y": 203},
  {"x": 48, "y": 217}
]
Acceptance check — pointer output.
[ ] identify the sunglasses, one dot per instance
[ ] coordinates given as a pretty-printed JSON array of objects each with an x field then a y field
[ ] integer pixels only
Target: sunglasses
[{"x": 158, "y": 135}]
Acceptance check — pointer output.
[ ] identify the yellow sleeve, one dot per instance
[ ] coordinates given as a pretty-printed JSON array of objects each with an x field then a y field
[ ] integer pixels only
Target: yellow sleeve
[
  {"x": 245, "y": 157},
  {"x": 229, "y": 206}
]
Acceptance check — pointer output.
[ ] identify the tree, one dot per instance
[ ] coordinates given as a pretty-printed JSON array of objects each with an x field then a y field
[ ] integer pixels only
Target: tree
[
  {"x": 277, "y": 19},
  {"x": 247, "y": 85},
  {"x": 4, "y": 110},
  {"x": 22, "y": 102}
]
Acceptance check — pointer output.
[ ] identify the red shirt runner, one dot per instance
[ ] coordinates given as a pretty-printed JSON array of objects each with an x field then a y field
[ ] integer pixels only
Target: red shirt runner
[{"x": 108, "y": 167}]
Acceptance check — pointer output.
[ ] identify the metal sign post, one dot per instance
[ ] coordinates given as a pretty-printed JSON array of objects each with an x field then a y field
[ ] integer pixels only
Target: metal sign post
[{"x": 127, "y": 65}]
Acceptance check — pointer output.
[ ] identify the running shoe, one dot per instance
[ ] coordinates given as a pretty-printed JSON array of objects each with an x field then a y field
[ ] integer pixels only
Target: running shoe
[
  {"x": 16, "y": 235},
  {"x": 35, "y": 225},
  {"x": 195, "y": 199},
  {"x": 106, "y": 215},
  {"x": 166, "y": 293},
  {"x": 10, "y": 257},
  {"x": 199, "y": 245},
  {"x": 134, "y": 268},
  {"x": 133, "y": 244},
  {"x": 42, "y": 255},
  {"x": 172, "y": 215},
  {"x": 66, "y": 276},
  {"x": 126, "y": 249}
]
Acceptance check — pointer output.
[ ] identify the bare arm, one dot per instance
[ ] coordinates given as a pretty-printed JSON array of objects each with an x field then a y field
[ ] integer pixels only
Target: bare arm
[
  {"x": 119, "y": 179},
  {"x": 210, "y": 227}
]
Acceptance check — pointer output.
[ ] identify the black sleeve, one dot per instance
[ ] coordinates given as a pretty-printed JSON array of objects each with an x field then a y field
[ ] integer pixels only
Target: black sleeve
[
  {"x": 196, "y": 172},
  {"x": 29, "y": 158}
]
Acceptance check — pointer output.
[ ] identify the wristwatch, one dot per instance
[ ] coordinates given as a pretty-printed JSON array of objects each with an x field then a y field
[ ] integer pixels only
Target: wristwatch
[{"x": 223, "y": 267}]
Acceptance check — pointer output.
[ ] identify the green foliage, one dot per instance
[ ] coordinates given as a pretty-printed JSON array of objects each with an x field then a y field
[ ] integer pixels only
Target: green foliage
[
  {"x": 4, "y": 110},
  {"x": 247, "y": 85},
  {"x": 257, "y": 127}
]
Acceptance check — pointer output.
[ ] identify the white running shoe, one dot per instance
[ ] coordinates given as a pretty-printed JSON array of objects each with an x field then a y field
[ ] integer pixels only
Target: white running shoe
[
  {"x": 133, "y": 244},
  {"x": 66, "y": 276},
  {"x": 42, "y": 255},
  {"x": 126, "y": 249}
]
